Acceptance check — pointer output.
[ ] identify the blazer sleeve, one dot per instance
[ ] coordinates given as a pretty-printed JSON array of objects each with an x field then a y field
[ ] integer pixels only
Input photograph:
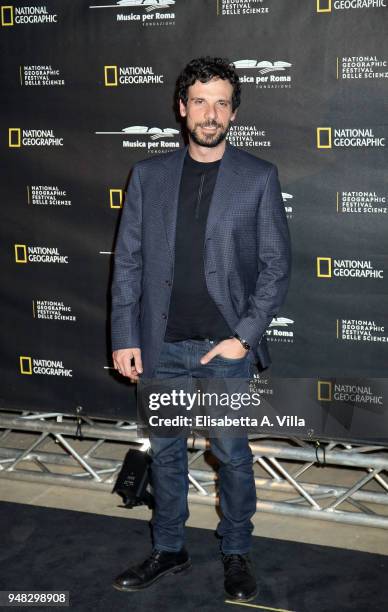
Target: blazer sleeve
[
  {"x": 274, "y": 263},
  {"x": 127, "y": 271}
]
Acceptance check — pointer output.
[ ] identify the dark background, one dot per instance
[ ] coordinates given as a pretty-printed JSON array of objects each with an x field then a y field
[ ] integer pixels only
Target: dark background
[{"x": 80, "y": 44}]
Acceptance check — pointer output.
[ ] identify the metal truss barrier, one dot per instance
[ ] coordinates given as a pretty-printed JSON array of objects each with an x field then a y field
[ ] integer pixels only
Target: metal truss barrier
[{"x": 278, "y": 457}]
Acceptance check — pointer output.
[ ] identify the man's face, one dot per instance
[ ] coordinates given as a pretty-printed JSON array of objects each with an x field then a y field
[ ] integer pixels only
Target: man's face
[{"x": 208, "y": 111}]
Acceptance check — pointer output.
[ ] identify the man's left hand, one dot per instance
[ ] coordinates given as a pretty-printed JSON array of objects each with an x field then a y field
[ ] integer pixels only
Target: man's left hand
[{"x": 231, "y": 348}]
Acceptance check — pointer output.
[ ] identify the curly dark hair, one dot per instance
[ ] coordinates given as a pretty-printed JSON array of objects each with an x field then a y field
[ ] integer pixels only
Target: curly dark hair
[{"x": 204, "y": 69}]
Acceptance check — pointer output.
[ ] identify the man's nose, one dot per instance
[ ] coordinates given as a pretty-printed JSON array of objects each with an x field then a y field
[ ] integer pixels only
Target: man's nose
[{"x": 211, "y": 112}]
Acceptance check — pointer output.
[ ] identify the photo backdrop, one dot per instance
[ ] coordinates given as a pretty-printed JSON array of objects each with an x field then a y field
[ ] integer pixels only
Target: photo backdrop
[{"x": 87, "y": 90}]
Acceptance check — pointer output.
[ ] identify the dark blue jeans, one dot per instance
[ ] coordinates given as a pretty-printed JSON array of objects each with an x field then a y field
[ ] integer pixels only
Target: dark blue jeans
[{"x": 169, "y": 468}]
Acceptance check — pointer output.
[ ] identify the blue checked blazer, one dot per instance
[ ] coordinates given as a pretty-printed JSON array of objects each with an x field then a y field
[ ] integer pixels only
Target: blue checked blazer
[{"x": 246, "y": 252}]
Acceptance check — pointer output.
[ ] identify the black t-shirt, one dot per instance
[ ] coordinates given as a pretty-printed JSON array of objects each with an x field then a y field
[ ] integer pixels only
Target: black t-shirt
[{"x": 193, "y": 313}]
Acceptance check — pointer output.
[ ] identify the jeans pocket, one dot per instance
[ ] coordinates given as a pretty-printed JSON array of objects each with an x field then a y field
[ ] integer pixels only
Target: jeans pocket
[{"x": 230, "y": 359}]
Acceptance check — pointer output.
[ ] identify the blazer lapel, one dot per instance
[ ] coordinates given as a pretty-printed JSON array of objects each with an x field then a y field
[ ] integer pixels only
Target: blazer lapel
[
  {"x": 224, "y": 187},
  {"x": 226, "y": 180},
  {"x": 170, "y": 195}
]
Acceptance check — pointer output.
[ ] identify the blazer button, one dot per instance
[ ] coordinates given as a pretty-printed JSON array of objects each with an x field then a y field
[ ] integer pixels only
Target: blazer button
[
  {"x": 168, "y": 282},
  {"x": 164, "y": 316}
]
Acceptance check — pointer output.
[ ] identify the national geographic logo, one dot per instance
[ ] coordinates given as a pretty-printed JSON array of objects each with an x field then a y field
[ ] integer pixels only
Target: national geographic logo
[
  {"x": 349, "y": 392},
  {"x": 327, "y": 267},
  {"x": 361, "y": 67},
  {"x": 366, "y": 202},
  {"x": 152, "y": 139},
  {"x": 21, "y": 15},
  {"x": 327, "y": 6},
  {"x": 52, "y": 310},
  {"x": 324, "y": 391},
  {"x": 152, "y": 12},
  {"x": 248, "y": 136},
  {"x": 131, "y": 75},
  {"x": 116, "y": 198},
  {"x": 40, "y": 76},
  {"x": 17, "y": 137},
  {"x": 360, "y": 330},
  {"x": 280, "y": 330},
  {"x": 47, "y": 195},
  {"x": 329, "y": 138},
  {"x": 242, "y": 7},
  {"x": 264, "y": 74},
  {"x": 46, "y": 367},
  {"x": 38, "y": 254}
]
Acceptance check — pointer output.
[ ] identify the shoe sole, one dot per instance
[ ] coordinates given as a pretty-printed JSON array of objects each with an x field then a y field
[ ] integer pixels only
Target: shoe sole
[
  {"x": 238, "y": 599},
  {"x": 174, "y": 570}
]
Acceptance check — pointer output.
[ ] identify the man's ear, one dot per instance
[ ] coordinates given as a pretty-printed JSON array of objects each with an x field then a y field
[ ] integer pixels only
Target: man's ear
[
  {"x": 182, "y": 108},
  {"x": 233, "y": 117}
]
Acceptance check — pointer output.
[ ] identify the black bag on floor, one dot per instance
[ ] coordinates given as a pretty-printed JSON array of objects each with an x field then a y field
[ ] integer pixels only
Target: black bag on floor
[{"x": 133, "y": 478}]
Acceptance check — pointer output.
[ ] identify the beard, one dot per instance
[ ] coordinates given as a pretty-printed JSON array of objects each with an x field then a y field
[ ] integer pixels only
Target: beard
[{"x": 208, "y": 140}]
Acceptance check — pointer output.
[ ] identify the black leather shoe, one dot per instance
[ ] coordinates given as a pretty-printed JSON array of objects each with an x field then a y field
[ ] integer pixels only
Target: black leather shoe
[
  {"x": 240, "y": 583},
  {"x": 158, "y": 564}
]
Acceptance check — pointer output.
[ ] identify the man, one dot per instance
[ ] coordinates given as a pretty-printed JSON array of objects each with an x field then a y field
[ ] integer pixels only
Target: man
[{"x": 201, "y": 267}]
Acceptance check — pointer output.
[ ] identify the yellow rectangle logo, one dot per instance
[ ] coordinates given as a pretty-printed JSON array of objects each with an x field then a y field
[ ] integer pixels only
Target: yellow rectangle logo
[
  {"x": 25, "y": 364},
  {"x": 325, "y": 390},
  {"x": 7, "y": 16},
  {"x": 14, "y": 137},
  {"x": 20, "y": 253},
  {"x": 324, "y": 138},
  {"x": 324, "y": 267},
  {"x": 110, "y": 76},
  {"x": 116, "y": 198},
  {"x": 323, "y": 6}
]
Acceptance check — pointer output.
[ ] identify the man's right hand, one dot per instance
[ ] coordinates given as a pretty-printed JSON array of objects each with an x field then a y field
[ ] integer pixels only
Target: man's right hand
[{"x": 122, "y": 359}]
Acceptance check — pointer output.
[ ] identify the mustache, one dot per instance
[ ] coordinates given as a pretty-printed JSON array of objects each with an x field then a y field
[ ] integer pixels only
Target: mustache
[{"x": 212, "y": 124}]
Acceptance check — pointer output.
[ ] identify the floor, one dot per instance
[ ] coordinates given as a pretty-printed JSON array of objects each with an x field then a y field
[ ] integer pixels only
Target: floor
[{"x": 276, "y": 526}]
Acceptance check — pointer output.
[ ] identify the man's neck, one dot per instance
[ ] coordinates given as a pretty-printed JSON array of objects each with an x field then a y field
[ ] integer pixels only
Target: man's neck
[{"x": 206, "y": 154}]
